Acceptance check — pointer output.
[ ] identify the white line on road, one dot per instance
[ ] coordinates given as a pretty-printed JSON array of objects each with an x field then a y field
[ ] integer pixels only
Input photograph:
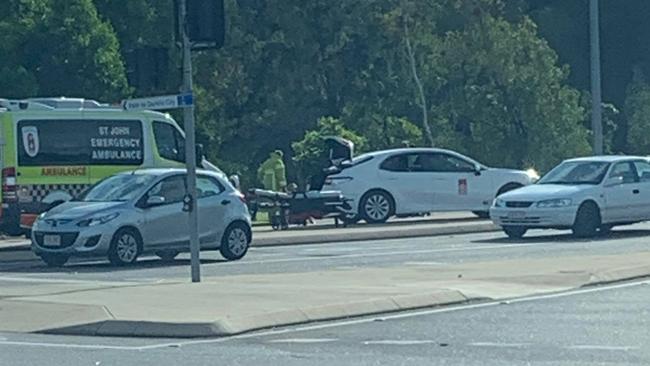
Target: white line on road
[
  {"x": 399, "y": 342},
  {"x": 501, "y": 345},
  {"x": 52, "y": 280},
  {"x": 382, "y": 254},
  {"x": 588, "y": 347},
  {"x": 304, "y": 340},
  {"x": 69, "y": 345}
]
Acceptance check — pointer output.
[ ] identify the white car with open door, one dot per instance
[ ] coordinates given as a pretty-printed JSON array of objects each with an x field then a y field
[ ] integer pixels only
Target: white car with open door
[
  {"x": 586, "y": 195},
  {"x": 414, "y": 181}
]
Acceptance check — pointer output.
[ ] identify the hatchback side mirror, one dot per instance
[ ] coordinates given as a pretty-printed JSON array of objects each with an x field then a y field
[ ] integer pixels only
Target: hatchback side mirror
[
  {"x": 155, "y": 201},
  {"x": 613, "y": 181}
]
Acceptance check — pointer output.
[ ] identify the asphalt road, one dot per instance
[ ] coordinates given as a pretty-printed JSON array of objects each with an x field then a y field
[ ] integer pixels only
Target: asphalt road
[
  {"x": 434, "y": 251},
  {"x": 595, "y": 326}
]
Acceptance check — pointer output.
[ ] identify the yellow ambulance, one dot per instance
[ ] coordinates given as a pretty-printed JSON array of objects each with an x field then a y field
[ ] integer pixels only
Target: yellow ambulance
[{"x": 54, "y": 148}]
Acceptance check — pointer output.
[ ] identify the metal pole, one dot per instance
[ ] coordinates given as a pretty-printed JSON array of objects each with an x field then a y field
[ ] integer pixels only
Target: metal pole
[
  {"x": 596, "y": 102},
  {"x": 190, "y": 148}
]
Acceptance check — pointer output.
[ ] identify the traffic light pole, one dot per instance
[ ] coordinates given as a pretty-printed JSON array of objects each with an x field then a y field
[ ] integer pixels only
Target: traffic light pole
[
  {"x": 190, "y": 147},
  {"x": 596, "y": 99}
]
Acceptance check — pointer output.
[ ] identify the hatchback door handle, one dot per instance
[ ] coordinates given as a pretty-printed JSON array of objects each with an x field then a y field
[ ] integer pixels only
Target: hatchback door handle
[
  {"x": 225, "y": 202},
  {"x": 636, "y": 191}
]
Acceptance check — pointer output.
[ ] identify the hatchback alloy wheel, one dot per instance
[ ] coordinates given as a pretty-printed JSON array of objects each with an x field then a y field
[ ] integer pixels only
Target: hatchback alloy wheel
[
  {"x": 125, "y": 247},
  {"x": 236, "y": 241}
]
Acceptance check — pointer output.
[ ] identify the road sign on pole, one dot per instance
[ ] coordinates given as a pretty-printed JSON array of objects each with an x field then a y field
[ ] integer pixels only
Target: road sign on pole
[
  {"x": 190, "y": 147},
  {"x": 185, "y": 100}
]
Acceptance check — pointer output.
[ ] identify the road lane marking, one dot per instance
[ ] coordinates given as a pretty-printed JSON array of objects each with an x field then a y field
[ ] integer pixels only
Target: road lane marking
[
  {"x": 424, "y": 263},
  {"x": 588, "y": 347},
  {"x": 399, "y": 342},
  {"x": 50, "y": 280},
  {"x": 304, "y": 340},
  {"x": 382, "y": 254},
  {"x": 69, "y": 345},
  {"x": 501, "y": 345}
]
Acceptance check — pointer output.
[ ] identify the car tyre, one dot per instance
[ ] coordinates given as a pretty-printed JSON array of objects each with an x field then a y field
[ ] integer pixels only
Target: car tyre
[
  {"x": 515, "y": 232},
  {"x": 55, "y": 260},
  {"x": 377, "y": 207},
  {"x": 235, "y": 241},
  {"x": 125, "y": 248},
  {"x": 482, "y": 214},
  {"x": 587, "y": 221},
  {"x": 605, "y": 230},
  {"x": 167, "y": 255},
  {"x": 13, "y": 229}
]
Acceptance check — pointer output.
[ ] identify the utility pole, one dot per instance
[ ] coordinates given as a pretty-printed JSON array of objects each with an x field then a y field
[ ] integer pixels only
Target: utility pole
[
  {"x": 190, "y": 146},
  {"x": 596, "y": 98}
]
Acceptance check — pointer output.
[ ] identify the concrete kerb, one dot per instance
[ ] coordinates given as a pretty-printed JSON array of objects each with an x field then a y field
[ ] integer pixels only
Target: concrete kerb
[
  {"x": 411, "y": 232},
  {"x": 617, "y": 275},
  {"x": 230, "y": 326},
  {"x": 323, "y": 236}
]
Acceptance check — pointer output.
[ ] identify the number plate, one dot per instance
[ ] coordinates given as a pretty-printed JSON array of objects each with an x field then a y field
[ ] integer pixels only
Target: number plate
[
  {"x": 52, "y": 240},
  {"x": 516, "y": 214}
]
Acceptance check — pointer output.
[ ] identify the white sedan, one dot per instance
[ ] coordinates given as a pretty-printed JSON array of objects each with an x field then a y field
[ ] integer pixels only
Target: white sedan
[
  {"x": 413, "y": 181},
  {"x": 586, "y": 195}
]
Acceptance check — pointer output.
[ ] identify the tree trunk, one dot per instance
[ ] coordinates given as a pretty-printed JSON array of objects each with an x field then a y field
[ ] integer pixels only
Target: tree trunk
[{"x": 418, "y": 83}]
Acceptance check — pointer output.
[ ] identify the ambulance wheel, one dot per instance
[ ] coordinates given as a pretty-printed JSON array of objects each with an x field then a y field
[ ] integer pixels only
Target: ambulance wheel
[{"x": 13, "y": 229}]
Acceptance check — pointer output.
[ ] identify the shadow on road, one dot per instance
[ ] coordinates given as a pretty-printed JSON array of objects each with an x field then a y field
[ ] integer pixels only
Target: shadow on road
[{"x": 567, "y": 238}]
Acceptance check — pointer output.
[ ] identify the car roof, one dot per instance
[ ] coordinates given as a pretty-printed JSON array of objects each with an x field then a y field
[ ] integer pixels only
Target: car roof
[
  {"x": 608, "y": 158},
  {"x": 410, "y": 150},
  {"x": 167, "y": 171}
]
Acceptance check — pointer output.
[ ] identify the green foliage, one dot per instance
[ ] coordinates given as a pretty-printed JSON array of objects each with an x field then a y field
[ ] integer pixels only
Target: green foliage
[
  {"x": 310, "y": 152},
  {"x": 637, "y": 109},
  {"x": 504, "y": 98},
  {"x": 60, "y": 47},
  {"x": 493, "y": 87}
]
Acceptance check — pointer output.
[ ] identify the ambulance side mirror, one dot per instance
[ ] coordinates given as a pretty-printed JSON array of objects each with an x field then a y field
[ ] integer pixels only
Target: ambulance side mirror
[{"x": 200, "y": 154}]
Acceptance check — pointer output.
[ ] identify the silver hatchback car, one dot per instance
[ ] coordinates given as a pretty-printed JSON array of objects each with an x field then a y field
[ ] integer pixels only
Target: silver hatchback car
[{"x": 141, "y": 212}]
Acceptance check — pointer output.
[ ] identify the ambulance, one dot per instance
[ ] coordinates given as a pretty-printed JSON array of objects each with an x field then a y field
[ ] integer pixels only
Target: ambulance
[{"x": 52, "y": 149}]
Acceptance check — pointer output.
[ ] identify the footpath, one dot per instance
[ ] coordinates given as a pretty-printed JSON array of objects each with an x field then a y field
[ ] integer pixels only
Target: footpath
[{"x": 239, "y": 303}]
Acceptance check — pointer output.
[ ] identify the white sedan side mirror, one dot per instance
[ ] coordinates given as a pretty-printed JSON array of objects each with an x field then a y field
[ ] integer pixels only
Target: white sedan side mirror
[{"x": 613, "y": 181}]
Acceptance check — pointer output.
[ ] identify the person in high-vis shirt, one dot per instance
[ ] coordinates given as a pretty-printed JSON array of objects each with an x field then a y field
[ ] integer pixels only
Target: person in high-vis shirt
[{"x": 272, "y": 174}]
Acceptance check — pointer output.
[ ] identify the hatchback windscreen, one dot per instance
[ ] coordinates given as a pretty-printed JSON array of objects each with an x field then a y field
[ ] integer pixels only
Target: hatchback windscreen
[
  {"x": 123, "y": 187},
  {"x": 576, "y": 172}
]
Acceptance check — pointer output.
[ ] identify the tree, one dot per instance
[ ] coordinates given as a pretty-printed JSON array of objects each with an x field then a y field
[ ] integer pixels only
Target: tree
[
  {"x": 72, "y": 52},
  {"x": 60, "y": 47},
  {"x": 310, "y": 152},
  {"x": 637, "y": 110},
  {"x": 504, "y": 98}
]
